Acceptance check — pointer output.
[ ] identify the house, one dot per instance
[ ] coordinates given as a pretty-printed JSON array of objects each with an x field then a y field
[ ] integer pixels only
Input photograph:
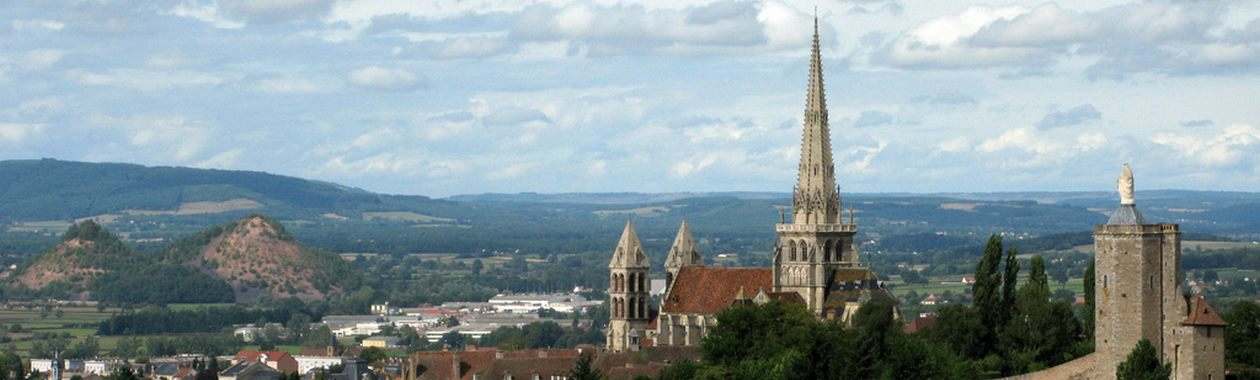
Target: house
[
  {"x": 381, "y": 342},
  {"x": 171, "y": 371},
  {"x": 968, "y": 280},
  {"x": 277, "y": 360},
  {"x": 930, "y": 300},
  {"x": 924, "y": 321},
  {"x": 249, "y": 370}
]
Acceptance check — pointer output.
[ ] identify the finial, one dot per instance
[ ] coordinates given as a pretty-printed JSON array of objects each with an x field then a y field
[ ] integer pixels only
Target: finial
[{"x": 1124, "y": 185}]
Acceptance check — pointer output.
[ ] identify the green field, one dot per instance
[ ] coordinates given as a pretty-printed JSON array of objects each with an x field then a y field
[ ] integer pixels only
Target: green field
[{"x": 79, "y": 322}]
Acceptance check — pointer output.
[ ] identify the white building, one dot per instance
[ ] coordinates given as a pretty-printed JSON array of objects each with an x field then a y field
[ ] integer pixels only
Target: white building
[
  {"x": 307, "y": 363},
  {"x": 44, "y": 366},
  {"x": 468, "y": 331},
  {"x": 529, "y": 303},
  {"x": 99, "y": 367}
]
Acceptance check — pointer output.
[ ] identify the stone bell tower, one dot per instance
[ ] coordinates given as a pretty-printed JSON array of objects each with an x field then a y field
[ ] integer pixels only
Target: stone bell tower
[
  {"x": 628, "y": 293},
  {"x": 817, "y": 241}
]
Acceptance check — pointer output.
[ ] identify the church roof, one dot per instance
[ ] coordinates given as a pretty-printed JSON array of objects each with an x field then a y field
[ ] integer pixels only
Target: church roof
[
  {"x": 629, "y": 251},
  {"x": 1202, "y": 314},
  {"x": 709, "y": 290},
  {"x": 683, "y": 251},
  {"x": 853, "y": 285}
]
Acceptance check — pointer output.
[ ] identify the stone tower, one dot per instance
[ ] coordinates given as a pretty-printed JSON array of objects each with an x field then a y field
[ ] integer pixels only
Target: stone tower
[
  {"x": 1138, "y": 292},
  {"x": 682, "y": 253},
  {"x": 628, "y": 293},
  {"x": 816, "y": 242}
]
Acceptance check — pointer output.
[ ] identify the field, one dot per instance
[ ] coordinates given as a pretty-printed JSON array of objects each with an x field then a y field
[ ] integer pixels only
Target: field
[{"x": 77, "y": 321}]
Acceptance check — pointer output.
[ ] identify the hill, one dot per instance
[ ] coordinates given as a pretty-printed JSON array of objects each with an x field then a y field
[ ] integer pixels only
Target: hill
[
  {"x": 259, "y": 259},
  {"x": 86, "y": 252}
]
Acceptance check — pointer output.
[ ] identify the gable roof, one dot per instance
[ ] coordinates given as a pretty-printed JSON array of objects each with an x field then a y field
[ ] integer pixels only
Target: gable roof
[
  {"x": 708, "y": 290},
  {"x": 1202, "y": 314}
]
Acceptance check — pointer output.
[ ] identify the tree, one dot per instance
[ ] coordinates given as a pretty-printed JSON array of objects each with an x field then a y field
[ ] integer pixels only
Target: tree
[
  {"x": 584, "y": 370},
  {"x": 959, "y": 327},
  {"x": 1210, "y": 276},
  {"x": 122, "y": 373},
  {"x": 373, "y": 354},
  {"x": 1089, "y": 300},
  {"x": 988, "y": 302},
  {"x": 1242, "y": 334},
  {"x": 1143, "y": 364},
  {"x": 453, "y": 340},
  {"x": 10, "y": 363},
  {"x": 1059, "y": 273},
  {"x": 477, "y": 266},
  {"x": 876, "y": 329},
  {"x": 1010, "y": 282}
]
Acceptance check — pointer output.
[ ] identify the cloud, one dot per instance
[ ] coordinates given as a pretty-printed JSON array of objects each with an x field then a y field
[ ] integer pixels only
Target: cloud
[
  {"x": 1198, "y": 123},
  {"x": 1174, "y": 38},
  {"x": 954, "y": 145},
  {"x": 873, "y": 118},
  {"x": 1072, "y": 116},
  {"x": 510, "y": 115},
  {"x": 173, "y": 137},
  {"x": 386, "y": 79},
  {"x": 223, "y": 160},
  {"x": 40, "y": 59},
  {"x": 207, "y": 13},
  {"x": 944, "y": 99},
  {"x": 38, "y": 24},
  {"x": 275, "y": 10},
  {"x": 145, "y": 80},
  {"x": 511, "y": 171},
  {"x": 289, "y": 85},
  {"x": 1039, "y": 149},
  {"x": 1233, "y": 146},
  {"x": 14, "y": 133}
]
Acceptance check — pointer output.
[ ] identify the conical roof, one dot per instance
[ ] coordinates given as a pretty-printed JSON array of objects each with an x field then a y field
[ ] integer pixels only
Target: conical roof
[
  {"x": 629, "y": 251},
  {"x": 683, "y": 251}
]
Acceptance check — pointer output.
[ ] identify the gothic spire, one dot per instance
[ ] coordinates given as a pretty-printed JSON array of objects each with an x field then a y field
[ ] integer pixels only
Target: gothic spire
[
  {"x": 629, "y": 251},
  {"x": 683, "y": 252},
  {"x": 815, "y": 199}
]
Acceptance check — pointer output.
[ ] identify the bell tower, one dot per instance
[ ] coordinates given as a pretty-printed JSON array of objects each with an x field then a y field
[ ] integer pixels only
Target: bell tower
[
  {"x": 816, "y": 241},
  {"x": 628, "y": 293}
]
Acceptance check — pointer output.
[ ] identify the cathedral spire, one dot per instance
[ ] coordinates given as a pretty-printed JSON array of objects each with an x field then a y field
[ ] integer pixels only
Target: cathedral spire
[{"x": 815, "y": 199}]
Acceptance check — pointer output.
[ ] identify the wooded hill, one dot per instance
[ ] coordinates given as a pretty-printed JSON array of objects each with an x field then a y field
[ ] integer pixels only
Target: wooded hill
[{"x": 242, "y": 261}]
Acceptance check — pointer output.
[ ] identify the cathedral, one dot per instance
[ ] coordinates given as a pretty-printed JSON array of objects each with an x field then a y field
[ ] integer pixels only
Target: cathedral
[
  {"x": 1138, "y": 283},
  {"x": 815, "y": 261}
]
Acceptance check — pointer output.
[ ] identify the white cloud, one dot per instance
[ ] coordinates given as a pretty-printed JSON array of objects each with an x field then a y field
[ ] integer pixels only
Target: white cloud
[
  {"x": 275, "y": 10},
  {"x": 38, "y": 24},
  {"x": 18, "y": 132},
  {"x": 207, "y": 13},
  {"x": 510, "y": 171},
  {"x": 145, "y": 80},
  {"x": 224, "y": 160},
  {"x": 1231, "y": 146},
  {"x": 174, "y": 138},
  {"x": 288, "y": 85},
  {"x": 40, "y": 59},
  {"x": 954, "y": 145},
  {"x": 388, "y": 79}
]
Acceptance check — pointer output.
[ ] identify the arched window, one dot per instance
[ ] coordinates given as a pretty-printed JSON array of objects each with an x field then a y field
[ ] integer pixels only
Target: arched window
[
  {"x": 632, "y": 309},
  {"x": 643, "y": 283},
  {"x": 827, "y": 251},
  {"x": 792, "y": 249}
]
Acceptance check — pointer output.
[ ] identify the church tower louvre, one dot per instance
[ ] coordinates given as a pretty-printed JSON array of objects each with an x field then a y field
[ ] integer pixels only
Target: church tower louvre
[
  {"x": 682, "y": 253},
  {"x": 628, "y": 293},
  {"x": 816, "y": 242}
]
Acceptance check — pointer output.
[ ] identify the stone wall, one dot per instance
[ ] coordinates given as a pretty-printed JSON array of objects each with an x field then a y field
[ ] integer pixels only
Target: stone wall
[{"x": 1083, "y": 368}]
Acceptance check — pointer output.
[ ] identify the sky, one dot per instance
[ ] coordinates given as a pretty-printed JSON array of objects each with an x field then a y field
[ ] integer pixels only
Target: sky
[{"x": 448, "y": 97}]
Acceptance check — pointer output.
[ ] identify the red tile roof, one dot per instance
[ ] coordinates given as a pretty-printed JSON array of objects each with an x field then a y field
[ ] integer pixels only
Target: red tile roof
[
  {"x": 1202, "y": 314},
  {"x": 284, "y": 362},
  {"x": 920, "y": 323},
  {"x": 708, "y": 290}
]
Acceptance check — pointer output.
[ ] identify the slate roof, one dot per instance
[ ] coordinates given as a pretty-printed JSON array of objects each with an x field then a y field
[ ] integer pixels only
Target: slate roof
[
  {"x": 1126, "y": 215},
  {"x": 709, "y": 290},
  {"x": 1202, "y": 314}
]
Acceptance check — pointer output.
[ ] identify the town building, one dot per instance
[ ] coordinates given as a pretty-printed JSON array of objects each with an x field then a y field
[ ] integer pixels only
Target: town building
[{"x": 279, "y": 360}]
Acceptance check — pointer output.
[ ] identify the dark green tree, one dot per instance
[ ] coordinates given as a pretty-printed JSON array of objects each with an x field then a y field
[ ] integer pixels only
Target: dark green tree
[
  {"x": 1143, "y": 364},
  {"x": 1242, "y": 335},
  {"x": 1088, "y": 317},
  {"x": 375, "y": 354},
  {"x": 122, "y": 373},
  {"x": 959, "y": 328},
  {"x": 1010, "y": 282},
  {"x": 986, "y": 294},
  {"x": 585, "y": 370},
  {"x": 10, "y": 366}
]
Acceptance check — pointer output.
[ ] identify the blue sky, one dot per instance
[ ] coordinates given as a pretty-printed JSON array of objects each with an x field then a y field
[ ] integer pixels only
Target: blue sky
[{"x": 468, "y": 96}]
